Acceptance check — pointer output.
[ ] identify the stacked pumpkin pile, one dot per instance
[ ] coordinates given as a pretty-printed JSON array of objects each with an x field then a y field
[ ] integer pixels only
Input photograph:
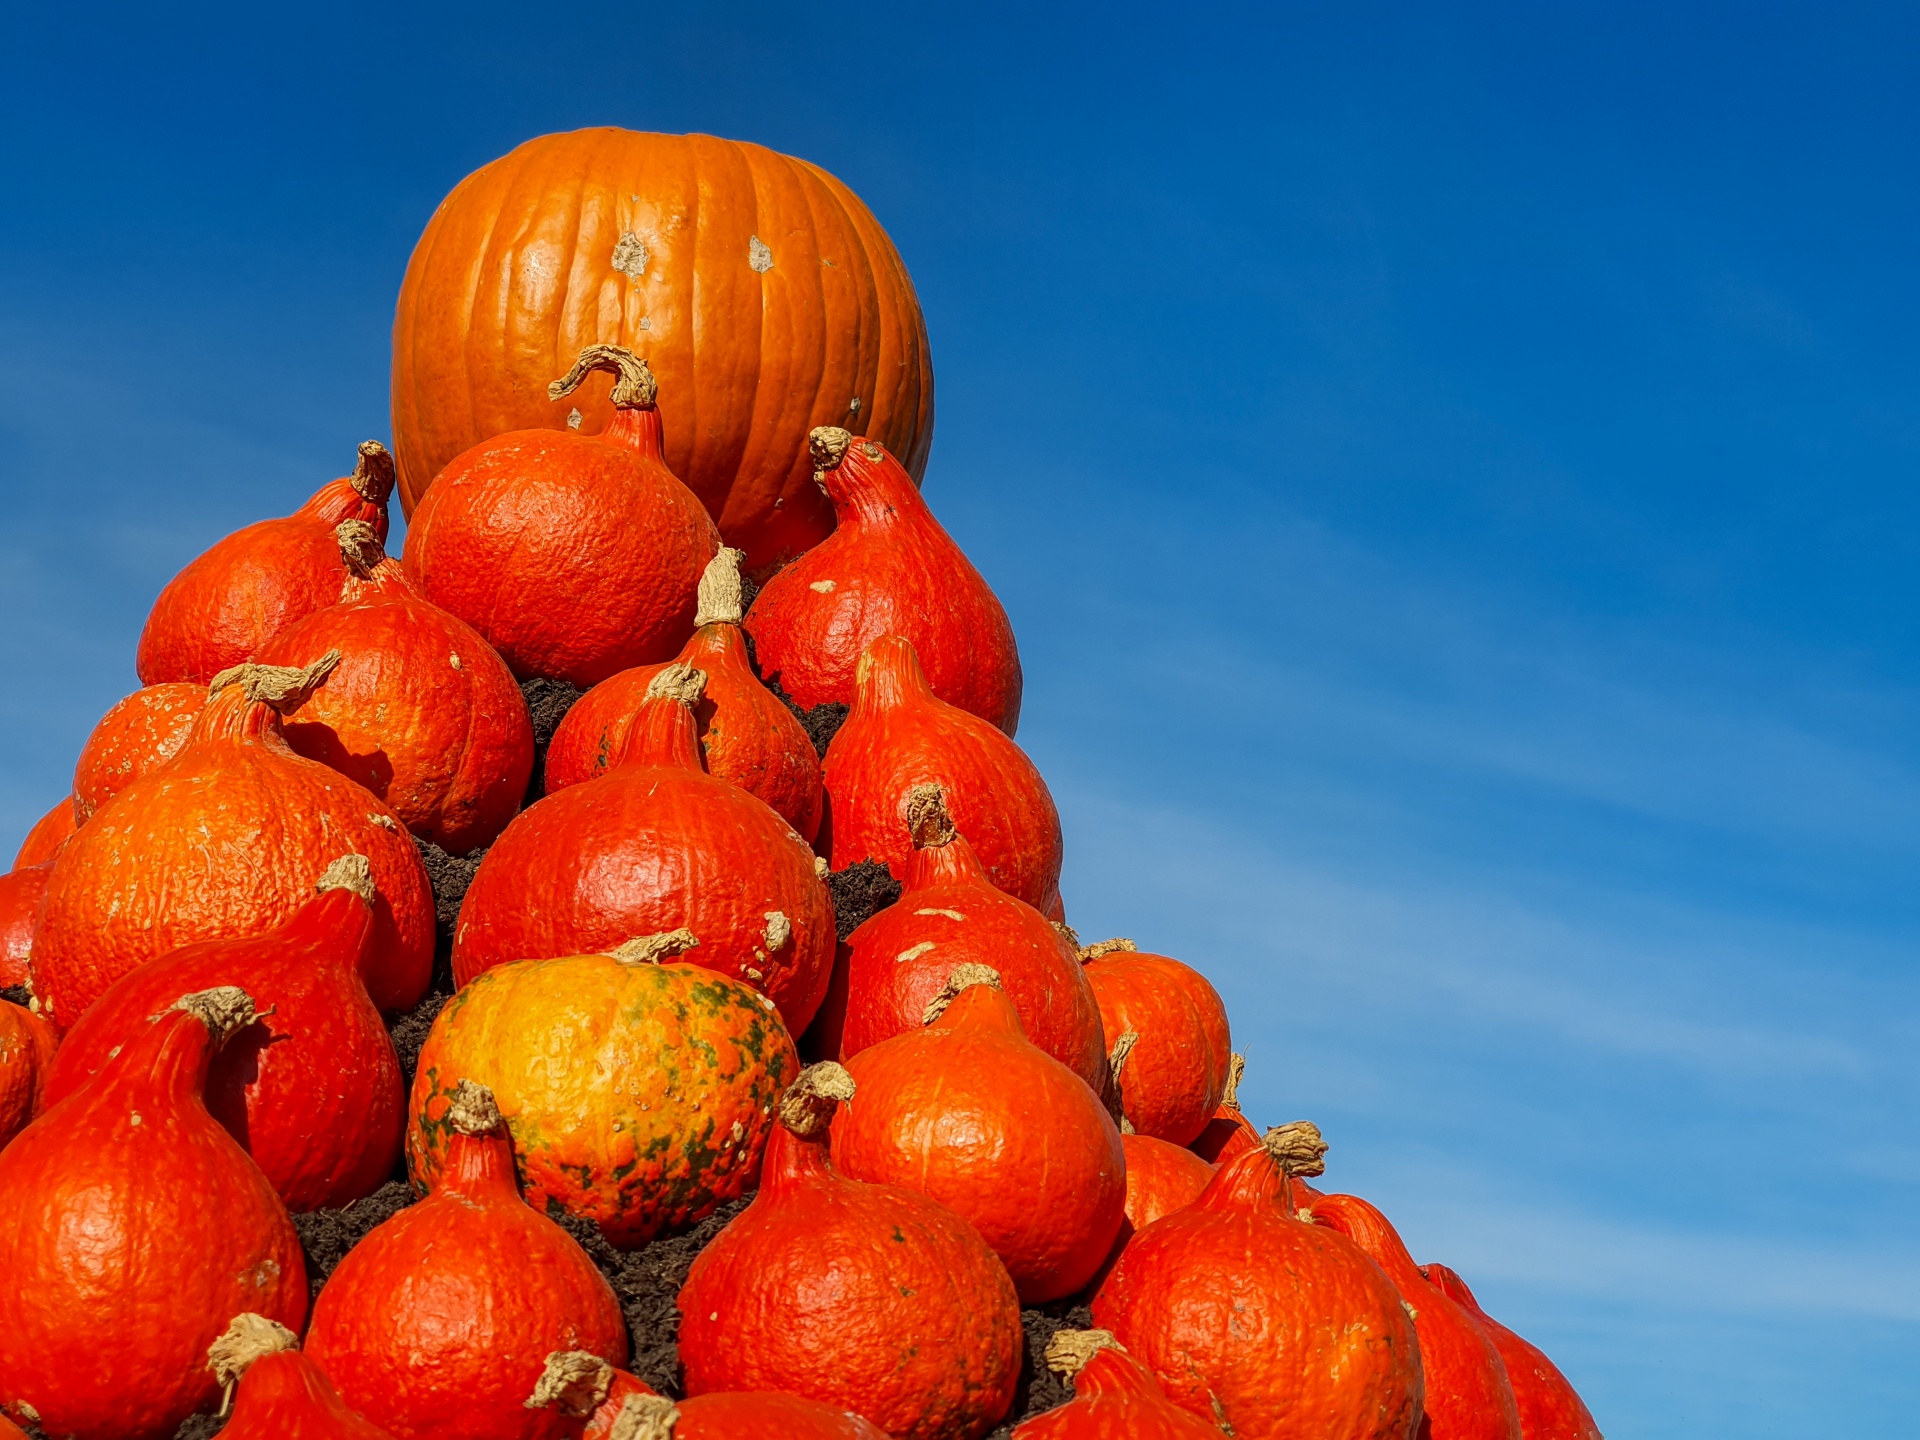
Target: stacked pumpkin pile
[{"x": 713, "y": 1063}]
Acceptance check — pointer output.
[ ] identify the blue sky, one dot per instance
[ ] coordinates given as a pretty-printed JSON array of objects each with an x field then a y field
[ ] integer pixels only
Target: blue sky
[{"x": 1450, "y": 468}]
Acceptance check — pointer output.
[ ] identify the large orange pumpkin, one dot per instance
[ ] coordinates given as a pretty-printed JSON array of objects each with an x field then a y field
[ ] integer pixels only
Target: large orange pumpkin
[{"x": 760, "y": 289}]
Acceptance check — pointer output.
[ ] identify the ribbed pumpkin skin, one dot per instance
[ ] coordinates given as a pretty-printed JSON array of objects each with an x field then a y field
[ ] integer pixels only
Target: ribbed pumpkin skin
[
  {"x": 20, "y": 894},
  {"x": 1548, "y": 1405},
  {"x": 754, "y": 347},
  {"x": 287, "y": 1397},
  {"x": 899, "y": 735},
  {"x": 437, "y": 1325},
  {"x": 652, "y": 846},
  {"x": 1114, "y": 1398},
  {"x": 953, "y": 1111},
  {"x": 661, "y": 1112},
  {"x": 420, "y": 710},
  {"x": 887, "y": 569},
  {"x": 1468, "y": 1395},
  {"x": 48, "y": 833},
  {"x": 311, "y": 1090},
  {"x": 746, "y": 734},
  {"x": 574, "y": 556},
  {"x": 162, "y": 1229},
  {"x": 869, "y": 1298},
  {"x": 1288, "y": 1328},
  {"x": 140, "y": 733},
  {"x": 233, "y": 598},
  {"x": 950, "y": 914},
  {"x": 223, "y": 842},
  {"x": 1177, "y": 1073},
  {"x": 27, "y": 1047}
]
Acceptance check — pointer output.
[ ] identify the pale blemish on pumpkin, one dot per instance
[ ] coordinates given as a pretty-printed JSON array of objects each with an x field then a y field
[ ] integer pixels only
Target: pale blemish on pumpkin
[
  {"x": 913, "y": 952},
  {"x": 779, "y": 930},
  {"x": 454, "y": 660},
  {"x": 646, "y": 322},
  {"x": 853, "y": 406},
  {"x": 758, "y": 255},
  {"x": 630, "y": 256},
  {"x": 825, "y": 587},
  {"x": 386, "y": 822},
  {"x": 574, "y": 417},
  {"x": 950, "y": 914}
]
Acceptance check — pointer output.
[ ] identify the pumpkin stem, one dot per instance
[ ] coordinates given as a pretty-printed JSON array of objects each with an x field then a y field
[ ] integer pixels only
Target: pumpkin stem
[
  {"x": 360, "y": 547},
  {"x": 1297, "y": 1149},
  {"x": 1067, "y": 933},
  {"x": 679, "y": 681},
  {"x": 722, "y": 602},
  {"x": 471, "y": 1111},
  {"x": 1116, "y": 1063},
  {"x": 249, "y": 1338},
  {"x": 349, "y": 872},
  {"x": 1119, "y": 945},
  {"x": 806, "y": 1109},
  {"x": 575, "y": 1380},
  {"x": 225, "y": 1010},
  {"x": 1236, "y": 1067},
  {"x": 964, "y": 977},
  {"x": 373, "y": 474},
  {"x": 655, "y": 949},
  {"x": 635, "y": 388},
  {"x": 927, "y": 818},
  {"x": 1069, "y": 1350},
  {"x": 827, "y": 444},
  {"x": 285, "y": 687},
  {"x": 645, "y": 1417}
]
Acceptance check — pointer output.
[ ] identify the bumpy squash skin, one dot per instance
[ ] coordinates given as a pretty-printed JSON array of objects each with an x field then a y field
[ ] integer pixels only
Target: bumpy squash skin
[
  {"x": 48, "y": 834},
  {"x": 1177, "y": 1074},
  {"x": 127, "y": 1206},
  {"x": 1161, "y": 1179},
  {"x": 21, "y": 892},
  {"x": 1114, "y": 1398},
  {"x": 287, "y": 1397},
  {"x": 140, "y": 733},
  {"x": 887, "y": 569},
  {"x": 661, "y": 1112},
  {"x": 1250, "y": 1316},
  {"x": 1548, "y": 1405},
  {"x": 225, "y": 841},
  {"x": 27, "y": 1045}
]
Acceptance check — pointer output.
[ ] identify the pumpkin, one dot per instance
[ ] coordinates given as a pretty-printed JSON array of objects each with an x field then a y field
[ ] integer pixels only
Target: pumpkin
[
  {"x": 1161, "y": 1178},
  {"x": 27, "y": 1047},
  {"x": 899, "y": 735},
  {"x": 581, "y": 1386},
  {"x": 870, "y": 1298},
  {"x": 127, "y": 1206},
  {"x": 21, "y": 892},
  {"x": 439, "y": 1322},
  {"x": 276, "y": 1392},
  {"x": 660, "y": 1113},
  {"x": 888, "y": 568},
  {"x": 746, "y": 734},
  {"x": 231, "y": 600},
  {"x": 950, "y": 914},
  {"x": 49, "y": 832},
  {"x": 1114, "y": 1398},
  {"x": 762, "y": 291},
  {"x": 1228, "y": 1134},
  {"x": 633, "y": 1412},
  {"x": 1177, "y": 1073},
  {"x": 574, "y": 556},
  {"x": 420, "y": 710},
  {"x": 654, "y": 846},
  {"x": 954, "y": 1111},
  {"x": 1468, "y": 1395},
  {"x": 1250, "y": 1317},
  {"x": 223, "y": 842},
  {"x": 140, "y": 733},
  {"x": 312, "y": 1089},
  {"x": 1549, "y": 1407}
]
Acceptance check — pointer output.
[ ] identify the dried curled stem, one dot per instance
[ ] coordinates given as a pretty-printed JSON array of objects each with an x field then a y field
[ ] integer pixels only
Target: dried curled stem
[
  {"x": 679, "y": 681},
  {"x": 373, "y": 473},
  {"x": 1119, "y": 945},
  {"x": 964, "y": 977},
  {"x": 655, "y": 949},
  {"x": 1114, "y": 1096},
  {"x": 471, "y": 1110},
  {"x": 827, "y": 445},
  {"x": 576, "y": 1381},
  {"x": 807, "y": 1107},
  {"x": 249, "y": 1338},
  {"x": 928, "y": 820},
  {"x": 349, "y": 872},
  {"x": 1236, "y": 1069},
  {"x": 634, "y": 389},
  {"x": 1069, "y": 1350},
  {"x": 285, "y": 687},
  {"x": 645, "y": 1417},
  {"x": 225, "y": 1010},
  {"x": 1297, "y": 1148},
  {"x": 360, "y": 547},
  {"x": 721, "y": 599}
]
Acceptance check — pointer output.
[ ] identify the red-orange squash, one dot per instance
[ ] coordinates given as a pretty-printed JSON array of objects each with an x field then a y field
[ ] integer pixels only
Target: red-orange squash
[
  {"x": 1548, "y": 1405},
  {"x": 231, "y": 600},
  {"x": 574, "y": 556},
  {"x": 662, "y": 1108},
  {"x": 900, "y": 735},
  {"x": 311, "y": 1089},
  {"x": 1161, "y": 1178},
  {"x": 27, "y": 1045},
  {"x": 127, "y": 1206},
  {"x": 654, "y": 846},
  {"x": 438, "y": 1324},
  {"x": 140, "y": 733},
  {"x": 746, "y": 734},
  {"x": 1177, "y": 1072},
  {"x": 1228, "y": 1134},
  {"x": 420, "y": 710},
  {"x": 870, "y": 1298},
  {"x": 1114, "y": 1396},
  {"x": 1249, "y": 1316},
  {"x": 761, "y": 290},
  {"x": 21, "y": 892},
  {"x": 953, "y": 1111},
  {"x": 222, "y": 842},
  {"x": 277, "y": 1393},
  {"x": 888, "y": 568},
  {"x": 49, "y": 832}
]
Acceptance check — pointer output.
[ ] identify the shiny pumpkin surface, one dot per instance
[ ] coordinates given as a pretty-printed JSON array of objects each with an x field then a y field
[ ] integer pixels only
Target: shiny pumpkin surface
[
  {"x": 899, "y": 735},
  {"x": 140, "y": 733},
  {"x": 128, "y": 1201},
  {"x": 437, "y": 1325},
  {"x": 1114, "y": 1398},
  {"x": 49, "y": 832},
  {"x": 287, "y": 1397},
  {"x": 1176, "y": 1074},
  {"x": 1249, "y": 1316},
  {"x": 21, "y": 892},
  {"x": 970, "y": 1113},
  {"x": 1548, "y": 1406},
  {"x": 638, "y": 1095},
  {"x": 762, "y": 291},
  {"x": 223, "y": 842},
  {"x": 888, "y": 568},
  {"x": 26, "y": 1055}
]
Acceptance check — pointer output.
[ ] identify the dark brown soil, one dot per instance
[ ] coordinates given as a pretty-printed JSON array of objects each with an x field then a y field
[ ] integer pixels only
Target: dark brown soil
[
  {"x": 858, "y": 892},
  {"x": 821, "y": 723},
  {"x": 1040, "y": 1389},
  {"x": 547, "y": 702},
  {"x": 327, "y": 1235},
  {"x": 18, "y": 995}
]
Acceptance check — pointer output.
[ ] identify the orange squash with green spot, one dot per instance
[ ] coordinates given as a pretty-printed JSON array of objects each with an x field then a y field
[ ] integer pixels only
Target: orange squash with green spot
[{"x": 663, "y": 1106}]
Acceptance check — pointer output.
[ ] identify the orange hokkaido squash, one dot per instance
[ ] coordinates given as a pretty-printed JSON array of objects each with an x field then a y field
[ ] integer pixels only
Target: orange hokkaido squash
[
  {"x": 49, "y": 832},
  {"x": 1114, "y": 1396},
  {"x": 1549, "y": 1407},
  {"x": 1177, "y": 1073},
  {"x": 27, "y": 1046},
  {"x": 139, "y": 734}
]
